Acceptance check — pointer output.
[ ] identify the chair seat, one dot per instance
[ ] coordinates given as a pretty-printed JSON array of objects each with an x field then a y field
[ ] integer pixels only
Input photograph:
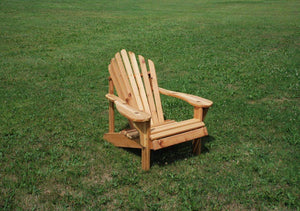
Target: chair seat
[
  {"x": 169, "y": 128},
  {"x": 175, "y": 128}
]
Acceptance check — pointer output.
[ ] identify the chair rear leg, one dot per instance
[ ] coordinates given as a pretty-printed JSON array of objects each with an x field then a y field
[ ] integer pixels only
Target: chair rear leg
[
  {"x": 197, "y": 146},
  {"x": 111, "y": 108}
]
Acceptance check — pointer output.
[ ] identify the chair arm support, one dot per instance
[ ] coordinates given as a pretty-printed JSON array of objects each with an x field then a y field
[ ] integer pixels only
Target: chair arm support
[
  {"x": 128, "y": 111},
  {"x": 191, "y": 99}
]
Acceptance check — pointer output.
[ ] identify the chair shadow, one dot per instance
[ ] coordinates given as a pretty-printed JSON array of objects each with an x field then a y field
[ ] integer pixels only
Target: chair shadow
[{"x": 173, "y": 153}]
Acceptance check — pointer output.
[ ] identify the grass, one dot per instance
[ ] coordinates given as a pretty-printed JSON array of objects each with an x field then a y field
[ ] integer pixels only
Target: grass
[{"x": 243, "y": 55}]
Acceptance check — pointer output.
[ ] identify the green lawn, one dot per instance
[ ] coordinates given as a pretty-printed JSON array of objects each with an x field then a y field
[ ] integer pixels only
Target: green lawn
[{"x": 243, "y": 55}]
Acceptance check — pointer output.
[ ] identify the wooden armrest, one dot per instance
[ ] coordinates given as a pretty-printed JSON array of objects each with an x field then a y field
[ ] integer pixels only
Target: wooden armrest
[
  {"x": 128, "y": 111},
  {"x": 191, "y": 99}
]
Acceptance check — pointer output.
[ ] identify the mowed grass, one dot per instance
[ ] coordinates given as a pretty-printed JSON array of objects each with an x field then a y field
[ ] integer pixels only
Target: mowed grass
[{"x": 243, "y": 55}]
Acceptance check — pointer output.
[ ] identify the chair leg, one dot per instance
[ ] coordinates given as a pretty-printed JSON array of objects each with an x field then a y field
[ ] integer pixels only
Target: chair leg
[
  {"x": 144, "y": 131},
  {"x": 146, "y": 158},
  {"x": 197, "y": 146},
  {"x": 111, "y": 110},
  {"x": 199, "y": 113}
]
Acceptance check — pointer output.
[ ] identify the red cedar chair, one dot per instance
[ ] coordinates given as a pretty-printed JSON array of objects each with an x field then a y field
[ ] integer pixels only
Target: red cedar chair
[{"x": 139, "y": 101}]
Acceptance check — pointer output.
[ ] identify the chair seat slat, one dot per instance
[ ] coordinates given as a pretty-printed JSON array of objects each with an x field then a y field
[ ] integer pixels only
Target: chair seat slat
[
  {"x": 178, "y": 127},
  {"x": 161, "y": 128}
]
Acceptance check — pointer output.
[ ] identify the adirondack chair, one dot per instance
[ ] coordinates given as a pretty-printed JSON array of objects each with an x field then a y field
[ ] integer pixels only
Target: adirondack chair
[{"x": 139, "y": 101}]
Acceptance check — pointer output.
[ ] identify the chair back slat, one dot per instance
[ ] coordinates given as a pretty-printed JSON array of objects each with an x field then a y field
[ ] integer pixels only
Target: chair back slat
[
  {"x": 139, "y": 82},
  {"x": 129, "y": 97},
  {"x": 136, "y": 85},
  {"x": 117, "y": 82},
  {"x": 132, "y": 80},
  {"x": 156, "y": 92},
  {"x": 148, "y": 90}
]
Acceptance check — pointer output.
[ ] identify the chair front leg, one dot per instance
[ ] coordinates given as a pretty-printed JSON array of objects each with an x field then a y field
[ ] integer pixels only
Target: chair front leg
[
  {"x": 144, "y": 131},
  {"x": 199, "y": 113}
]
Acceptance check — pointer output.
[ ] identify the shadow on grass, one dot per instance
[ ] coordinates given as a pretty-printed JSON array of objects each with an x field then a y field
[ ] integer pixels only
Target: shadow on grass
[{"x": 173, "y": 153}]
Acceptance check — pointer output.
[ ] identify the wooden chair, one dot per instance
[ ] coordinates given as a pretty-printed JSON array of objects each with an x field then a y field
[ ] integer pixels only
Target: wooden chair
[{"x": 139, "y": 101}]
